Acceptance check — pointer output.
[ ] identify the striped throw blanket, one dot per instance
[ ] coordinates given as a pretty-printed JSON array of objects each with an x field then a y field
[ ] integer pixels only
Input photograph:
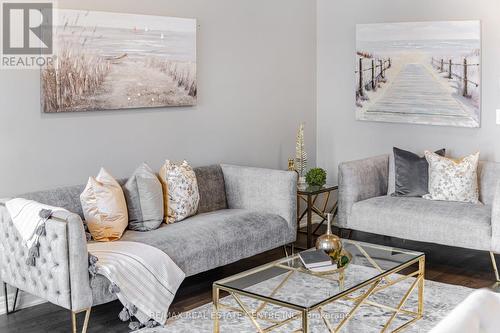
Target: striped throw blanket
[
  {"x": 143, "y": 277},
  {"x": 29, "y": 219}
]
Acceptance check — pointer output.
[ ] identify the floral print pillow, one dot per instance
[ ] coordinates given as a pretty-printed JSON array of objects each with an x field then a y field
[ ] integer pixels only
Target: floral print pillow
[
  {"x": 451, "y": 180},
  {"x": 180, "y": 190}
]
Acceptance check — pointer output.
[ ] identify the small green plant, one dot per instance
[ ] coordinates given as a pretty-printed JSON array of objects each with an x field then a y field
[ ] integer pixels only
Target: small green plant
[
  {"x": 343, "y": 261},
  {"x": 316, "y": 177}
]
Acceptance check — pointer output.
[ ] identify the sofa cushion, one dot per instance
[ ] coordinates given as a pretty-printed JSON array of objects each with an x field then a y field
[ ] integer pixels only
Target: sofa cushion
[
  {"x": 449, "y": 223},
  {"x": 207, "y": 241},
  {"x": 214, "y": 239},
  {"x": 212, "y": 188}
]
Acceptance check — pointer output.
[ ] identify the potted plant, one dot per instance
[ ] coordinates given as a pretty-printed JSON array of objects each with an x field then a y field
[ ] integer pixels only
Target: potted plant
[{"x": 316, "y": 177}]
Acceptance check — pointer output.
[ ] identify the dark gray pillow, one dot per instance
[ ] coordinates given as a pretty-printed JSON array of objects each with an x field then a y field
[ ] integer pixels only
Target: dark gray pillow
[
  {"x": 212, "y": 188},
  {"x": 412, "y": 173},
  {"x": 144, "y": 196}
]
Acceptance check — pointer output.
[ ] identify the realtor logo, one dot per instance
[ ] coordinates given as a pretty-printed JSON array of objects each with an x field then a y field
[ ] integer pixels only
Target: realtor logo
[{"x": 27, "y": 28}]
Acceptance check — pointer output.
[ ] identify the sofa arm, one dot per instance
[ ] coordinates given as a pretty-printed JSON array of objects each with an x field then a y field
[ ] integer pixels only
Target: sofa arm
[
  {"x": 60, "y": 274},
  {"x": 361, "y": 180},
  {"x": 495, "y": 220},
  {"x": 263, "y": 190}
]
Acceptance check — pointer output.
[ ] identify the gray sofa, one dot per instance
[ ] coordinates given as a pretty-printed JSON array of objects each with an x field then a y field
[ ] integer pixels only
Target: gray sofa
[
  {"x": 243, "y": 212},
  {"x": 365, "y": 205}
]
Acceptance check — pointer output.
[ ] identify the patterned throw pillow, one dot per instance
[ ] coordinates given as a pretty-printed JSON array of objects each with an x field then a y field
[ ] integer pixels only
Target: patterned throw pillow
[
  {"x": 453, "y": 180},
  {"x": 180, "y": 191}
]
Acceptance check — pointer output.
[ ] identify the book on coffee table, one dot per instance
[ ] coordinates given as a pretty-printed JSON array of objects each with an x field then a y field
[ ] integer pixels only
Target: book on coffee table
[{"x": 316, "y": 260}]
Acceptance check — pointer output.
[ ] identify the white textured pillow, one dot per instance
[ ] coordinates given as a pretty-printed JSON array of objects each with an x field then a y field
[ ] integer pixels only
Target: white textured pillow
[
  {"x": 104, "y": 207},
  {"x": 180, "y": 190},
  {"x": 451, "y": 180}
]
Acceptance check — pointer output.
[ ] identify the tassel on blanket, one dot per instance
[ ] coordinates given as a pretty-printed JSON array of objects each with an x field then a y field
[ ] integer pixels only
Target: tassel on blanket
[
  {"x": 113, "y": 289},
  {"x": 45, "y": 214},
  {"x": 124, "y": 315},
  {"x": 30, "y": 261},
  {"x": 34, "y": 251},
  {"x": 40, "y": 231},
  {"x": 134, "y": 325},
  {"x": 92, "y": 265}
]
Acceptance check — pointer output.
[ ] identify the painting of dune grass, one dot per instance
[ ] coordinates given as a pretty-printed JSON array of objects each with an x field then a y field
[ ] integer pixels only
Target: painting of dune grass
[
  {"x": 110, "y": 61},
  {"x": 419, "y": 72}
]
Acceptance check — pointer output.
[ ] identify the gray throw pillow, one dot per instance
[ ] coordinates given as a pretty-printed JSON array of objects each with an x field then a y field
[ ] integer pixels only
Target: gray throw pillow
[
  {"x": 144, "y": 196},
  {"x": 411, "y": 173},
  {"x": 212, "y": 188}
]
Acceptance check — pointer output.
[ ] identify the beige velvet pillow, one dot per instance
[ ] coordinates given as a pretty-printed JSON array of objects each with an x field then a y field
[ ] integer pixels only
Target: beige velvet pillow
[
  {"x": 180, "y": 191},
  {"x": 104, "y": 207}
]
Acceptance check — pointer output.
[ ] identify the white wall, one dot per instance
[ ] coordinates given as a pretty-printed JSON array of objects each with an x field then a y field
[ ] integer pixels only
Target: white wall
[
  {"x": 256, "y": 77},
  {"x": 341, "y": 137}
]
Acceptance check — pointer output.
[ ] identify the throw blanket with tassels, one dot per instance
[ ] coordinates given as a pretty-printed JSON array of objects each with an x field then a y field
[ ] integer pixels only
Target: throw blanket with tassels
[
  {"x": 29, "y": 219},
  {"x": 143, "y": 277}
]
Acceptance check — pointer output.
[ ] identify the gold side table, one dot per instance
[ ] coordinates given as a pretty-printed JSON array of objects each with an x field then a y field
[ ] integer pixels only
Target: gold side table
[{"x": 310, "y": 196}]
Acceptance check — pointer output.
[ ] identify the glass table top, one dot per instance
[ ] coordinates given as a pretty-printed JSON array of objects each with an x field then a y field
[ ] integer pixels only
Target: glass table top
[
  {"x": 287, "y": 281},
  {"x": 312, "y": 190}
]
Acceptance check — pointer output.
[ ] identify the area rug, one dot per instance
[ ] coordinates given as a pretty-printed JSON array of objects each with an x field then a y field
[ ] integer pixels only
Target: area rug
[{"x": 439, "y": 298}]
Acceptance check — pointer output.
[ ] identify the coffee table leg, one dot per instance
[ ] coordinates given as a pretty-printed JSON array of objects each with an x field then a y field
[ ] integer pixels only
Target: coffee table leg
[
  {"x": 215, "y": 296},
  {"x": 305, "y": 321}
]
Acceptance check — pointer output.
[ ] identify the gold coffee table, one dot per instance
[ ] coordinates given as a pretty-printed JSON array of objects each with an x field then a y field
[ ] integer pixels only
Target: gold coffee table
[{"x": 286, "y": 284}]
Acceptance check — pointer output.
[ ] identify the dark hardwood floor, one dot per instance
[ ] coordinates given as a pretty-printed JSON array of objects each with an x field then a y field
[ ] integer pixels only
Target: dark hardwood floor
[{"x": 444, "y": 264}]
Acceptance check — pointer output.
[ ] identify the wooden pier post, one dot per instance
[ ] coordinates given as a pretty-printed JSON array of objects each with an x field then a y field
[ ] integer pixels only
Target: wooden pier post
[
  {"x": 381, "y": 68},
  {"x": 449, "y": 69},
  {"x": 360, "y": 76},
  {"x": 465, "y": 78},
  {"x": 373, "y": 74},
  {"x": 442, "y": 65}
]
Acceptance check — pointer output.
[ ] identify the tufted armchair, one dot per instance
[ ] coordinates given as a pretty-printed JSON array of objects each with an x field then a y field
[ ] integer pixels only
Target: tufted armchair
[{"x": 61, "y": 274}]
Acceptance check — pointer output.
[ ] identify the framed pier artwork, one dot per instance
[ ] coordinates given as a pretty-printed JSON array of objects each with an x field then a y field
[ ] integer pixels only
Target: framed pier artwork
[{"x": 419, "y": 73}]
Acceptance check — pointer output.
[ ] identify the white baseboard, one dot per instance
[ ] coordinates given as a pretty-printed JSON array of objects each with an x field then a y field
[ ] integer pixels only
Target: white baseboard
[{"x": 24, "y": 300}]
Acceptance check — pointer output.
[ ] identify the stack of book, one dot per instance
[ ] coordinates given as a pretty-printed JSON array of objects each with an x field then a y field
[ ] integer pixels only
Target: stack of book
[{"x": 317, "y": 261}]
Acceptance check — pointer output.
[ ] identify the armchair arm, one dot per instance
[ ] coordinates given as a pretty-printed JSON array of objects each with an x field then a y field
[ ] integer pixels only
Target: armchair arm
[
  {"x": 263, "y": 190},
  {"x": 361, "y": 180},
  {"x": 495, "y": 220},
  {"x": 60, "y": 275}
]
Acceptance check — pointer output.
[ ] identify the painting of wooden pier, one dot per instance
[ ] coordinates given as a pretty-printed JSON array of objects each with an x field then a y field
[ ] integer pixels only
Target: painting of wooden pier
[{"x": 419, "y": 72}]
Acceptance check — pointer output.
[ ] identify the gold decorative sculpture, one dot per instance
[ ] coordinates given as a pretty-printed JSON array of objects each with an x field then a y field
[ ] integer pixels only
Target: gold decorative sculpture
[
  {"x": 301, "y": 155},
  {"x": 329, "y": 242}
]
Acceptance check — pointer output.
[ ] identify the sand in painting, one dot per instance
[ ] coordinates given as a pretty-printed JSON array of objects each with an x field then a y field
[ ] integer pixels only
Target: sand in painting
[{"x": 101, "y": 68}]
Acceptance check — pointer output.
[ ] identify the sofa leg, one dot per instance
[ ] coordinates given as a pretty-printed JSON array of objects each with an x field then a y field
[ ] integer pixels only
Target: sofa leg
[
  {"x": 7, "y": 310},
  {"x": 495, "y": 267},
  {"x": 85, "y": 322},
  {"x": 286, "y": 250}
]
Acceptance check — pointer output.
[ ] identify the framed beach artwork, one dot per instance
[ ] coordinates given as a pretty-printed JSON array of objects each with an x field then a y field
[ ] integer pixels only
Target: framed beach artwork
[
  {"x": 419, "y": 73},
  {"x": 109, "y": 61}
]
